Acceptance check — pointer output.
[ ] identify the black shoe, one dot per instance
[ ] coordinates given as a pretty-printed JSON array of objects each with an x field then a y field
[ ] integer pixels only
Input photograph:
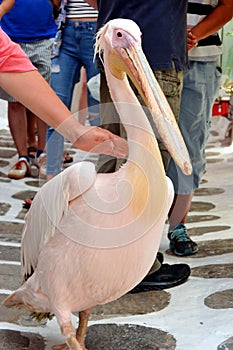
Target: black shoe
[
  {"x": 159, "y": 256},
  {"x": 180, "y": 242},
  {"x": 167, "y": 276}
]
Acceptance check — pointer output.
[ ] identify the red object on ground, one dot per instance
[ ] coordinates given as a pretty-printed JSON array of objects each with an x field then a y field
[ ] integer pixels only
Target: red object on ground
[{"x": 220, "y": 107}]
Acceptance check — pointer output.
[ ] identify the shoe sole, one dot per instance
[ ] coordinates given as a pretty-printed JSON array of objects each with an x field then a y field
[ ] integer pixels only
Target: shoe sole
[
  {"x": 66, "y": 165},
  {"x": 19, "y": 177},
  {"x": 185, "y": 253},
  {"x": 150, "y": 286}
]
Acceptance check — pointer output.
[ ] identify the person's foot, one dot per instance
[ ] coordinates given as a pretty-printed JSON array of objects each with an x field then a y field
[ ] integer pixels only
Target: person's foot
[
  {"x": 67, "y": 160},
  {"x": 180, "y": 242},
  {"x": 27, "y": 203},
  {"x": 32, "y": 155},
  {"x": 167, "y": 276},
  {"x": 41, "y": 163},
  {"x": 20, "y": 169}
]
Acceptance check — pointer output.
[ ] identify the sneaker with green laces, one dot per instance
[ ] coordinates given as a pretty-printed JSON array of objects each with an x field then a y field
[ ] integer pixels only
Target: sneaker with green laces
[{"x": 180, "y": 243}]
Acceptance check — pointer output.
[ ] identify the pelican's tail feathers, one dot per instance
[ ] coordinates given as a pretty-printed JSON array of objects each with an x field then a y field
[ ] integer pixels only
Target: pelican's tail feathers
[
  {"x": 16, "y": 299},
  {"x": 28, "y": 297},
  {"x": 13, "y": 299}
]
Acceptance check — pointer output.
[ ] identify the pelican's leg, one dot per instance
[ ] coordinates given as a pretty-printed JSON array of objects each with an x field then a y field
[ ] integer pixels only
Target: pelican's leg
[
  {"x": 71, "y": 342},
  {"x": 82, "y": 327}
]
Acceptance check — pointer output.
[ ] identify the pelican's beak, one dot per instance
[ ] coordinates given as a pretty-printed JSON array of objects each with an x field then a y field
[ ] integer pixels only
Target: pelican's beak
[{"x": 129, "y": 58}]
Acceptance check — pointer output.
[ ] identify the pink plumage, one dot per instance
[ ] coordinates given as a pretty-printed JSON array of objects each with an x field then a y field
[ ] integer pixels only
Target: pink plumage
[{"x": 90, "y": 238}]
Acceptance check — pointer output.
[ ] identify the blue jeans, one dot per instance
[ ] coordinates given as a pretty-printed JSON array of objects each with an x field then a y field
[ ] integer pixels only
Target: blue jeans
[
  {"x": 77, "y": 50},
  {"x": 201, "y": 87}
]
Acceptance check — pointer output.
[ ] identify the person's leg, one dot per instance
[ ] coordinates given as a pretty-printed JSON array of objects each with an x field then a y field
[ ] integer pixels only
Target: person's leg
[
  {"x": 18, "y": 127},
  {"x": 31, "y": 138},
  {"x": 39, "y": 53},
  {"x": 87, "y": 42},
  {"x": 31, "y": 134},
  {"x": 179, "y": 209},
  {"x": 64, "y": 75},
  {"x": 82, "y": 102},
  {"x": 201, "y": 85},
  {"x": 41, "y": 130},
  {"x": 37, "y": 125}
]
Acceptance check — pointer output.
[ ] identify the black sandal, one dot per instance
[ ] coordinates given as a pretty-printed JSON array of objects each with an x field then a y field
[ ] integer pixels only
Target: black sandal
[
  {"x": 27, "y": 203},
  {"x": 32, "y": 154}
]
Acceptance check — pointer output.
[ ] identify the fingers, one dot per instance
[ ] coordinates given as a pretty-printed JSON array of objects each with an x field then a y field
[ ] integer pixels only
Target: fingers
[
  {"x": 116, "y": 147},
  {"x": 191, "y": 39},
  {"x": 101, "y": 141}
]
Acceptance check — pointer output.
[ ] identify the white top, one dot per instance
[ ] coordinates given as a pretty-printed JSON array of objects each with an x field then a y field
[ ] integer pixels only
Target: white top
[
  {"x": 210, "y": 48},
  {"x": 80, "y": 9}
]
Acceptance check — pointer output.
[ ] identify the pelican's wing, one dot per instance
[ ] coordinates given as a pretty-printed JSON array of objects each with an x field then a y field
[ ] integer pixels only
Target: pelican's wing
[{"x": 48, "y": 207}]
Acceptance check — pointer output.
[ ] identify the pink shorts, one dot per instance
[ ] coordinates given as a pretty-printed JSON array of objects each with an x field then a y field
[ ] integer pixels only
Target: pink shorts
[{"x": 12, "y": 57}]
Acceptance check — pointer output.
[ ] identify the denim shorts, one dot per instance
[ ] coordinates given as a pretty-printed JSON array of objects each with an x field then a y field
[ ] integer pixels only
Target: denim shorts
[
  {"x": 201, "y": 87},
  {"x": 39, "y": 53}
]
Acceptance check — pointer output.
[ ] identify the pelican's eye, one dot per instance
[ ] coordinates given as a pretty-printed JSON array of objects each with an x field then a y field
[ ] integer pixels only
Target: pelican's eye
[{"x": 121, "y": 39}]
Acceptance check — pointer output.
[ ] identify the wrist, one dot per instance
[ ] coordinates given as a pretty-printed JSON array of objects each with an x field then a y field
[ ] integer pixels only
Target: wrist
[{"x": 71, "y": 129}]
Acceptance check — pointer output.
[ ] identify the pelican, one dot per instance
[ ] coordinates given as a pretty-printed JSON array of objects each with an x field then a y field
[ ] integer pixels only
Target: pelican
[{"x": 90, "y": 238}]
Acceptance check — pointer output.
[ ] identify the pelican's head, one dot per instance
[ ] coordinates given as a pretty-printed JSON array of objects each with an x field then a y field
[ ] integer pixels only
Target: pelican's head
[{"x": 120, "y": 39}]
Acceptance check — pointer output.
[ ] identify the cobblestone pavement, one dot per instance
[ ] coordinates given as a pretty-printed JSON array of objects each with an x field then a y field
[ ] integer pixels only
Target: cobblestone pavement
[{"x": 194, "y": 316}]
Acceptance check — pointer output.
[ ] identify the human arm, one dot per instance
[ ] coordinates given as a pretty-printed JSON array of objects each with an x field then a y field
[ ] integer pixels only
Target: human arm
[
  {"x": 56, "y": 8},
  {"x": 35, "y": 93},
  {"x": 92, "y": 3},
  {"x": 222, "y": 14},
  {"x": 5, "y": 6},
  {"x": 56, "y": 3}
]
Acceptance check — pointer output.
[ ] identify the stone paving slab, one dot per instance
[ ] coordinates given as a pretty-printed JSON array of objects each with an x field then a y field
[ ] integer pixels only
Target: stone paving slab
[
  {"x": 10, "y": 276},
  {"x": 139, "y": 304},
  {"x": 10, "y": 253},
  {"x": 11, "y": 231},
  {"x": 128, "y": 337},
  {"x": 99, "y": 337},
  {"x": 226, "y": 345},
  {"x": 209, "y": 222},
  {"x": 14, "y": 340},
  {"x": 220, "y": 300}
]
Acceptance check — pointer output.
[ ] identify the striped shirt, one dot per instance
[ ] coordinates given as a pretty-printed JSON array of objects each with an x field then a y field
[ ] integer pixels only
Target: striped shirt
[
  {"x": 210, "y": 48},
  {"x": 80, "y": 9}
]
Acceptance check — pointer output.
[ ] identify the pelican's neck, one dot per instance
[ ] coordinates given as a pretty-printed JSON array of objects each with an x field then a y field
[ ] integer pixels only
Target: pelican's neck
[
  {"x": 124, "y": 100},
  {"x": 132, "y": 116},
  {"x": 144, "y": 169}
]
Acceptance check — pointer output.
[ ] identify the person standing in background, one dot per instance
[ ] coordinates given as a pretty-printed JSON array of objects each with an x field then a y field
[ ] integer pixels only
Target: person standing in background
[
  {"x": 30, "y": 24},
  {"x": 200, "y": 89},
  {"x": 73, "y": 49}
]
